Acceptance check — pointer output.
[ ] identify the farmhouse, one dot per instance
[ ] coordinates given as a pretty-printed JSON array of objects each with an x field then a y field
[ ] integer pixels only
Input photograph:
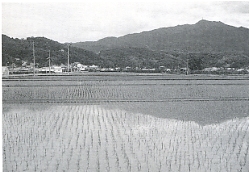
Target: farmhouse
[
  {"x": 46, "y": 70},
  {"x": 57, "y": 69},
  {"x": 93, "y": 68},
  {"x": 211, "y": 69},
  {"x": 5, "y": 71}
]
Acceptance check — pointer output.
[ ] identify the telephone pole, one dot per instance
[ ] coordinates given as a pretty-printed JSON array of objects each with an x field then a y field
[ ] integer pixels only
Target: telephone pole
[
  {"x": 187, "y": 67},
  {"x": 34, "y": 56},
  {"x": 49, "y": 60},
  {"x": 68, "y": 59}
]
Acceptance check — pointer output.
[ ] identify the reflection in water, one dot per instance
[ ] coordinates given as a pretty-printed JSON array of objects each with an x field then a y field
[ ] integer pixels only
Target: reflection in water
[{"x": 201, "y": 112}]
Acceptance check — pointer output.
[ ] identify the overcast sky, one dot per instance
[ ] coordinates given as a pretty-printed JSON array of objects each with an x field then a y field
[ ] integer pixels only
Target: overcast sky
[{"x": 93, "y": 20}]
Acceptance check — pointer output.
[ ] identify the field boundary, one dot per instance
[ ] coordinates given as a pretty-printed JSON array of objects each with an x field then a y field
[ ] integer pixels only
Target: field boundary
[
  {"x": 93, "y": 79},
  {"x": 133, "y": 84},
  {"x": 114, "y": 101},
  {"x": 120, "y": 76}
]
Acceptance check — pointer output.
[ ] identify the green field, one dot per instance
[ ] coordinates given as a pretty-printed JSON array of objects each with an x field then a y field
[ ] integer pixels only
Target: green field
[{"x": 119, "y": 122}]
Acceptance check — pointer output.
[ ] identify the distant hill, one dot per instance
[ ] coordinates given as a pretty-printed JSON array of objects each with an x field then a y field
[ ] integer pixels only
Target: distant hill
[
  {"x": 204, "y": 36},
  {"x": 204, "y": 44},
  {"x": 138, "y": 57},
  {"x": 142, "y": 57},
  {"x": 19, "y": 50}
]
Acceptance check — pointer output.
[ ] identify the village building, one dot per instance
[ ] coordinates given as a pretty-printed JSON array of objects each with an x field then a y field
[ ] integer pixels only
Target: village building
[
  {"x": 57, "y": 69},
  {"x": 5, "y": 71}
]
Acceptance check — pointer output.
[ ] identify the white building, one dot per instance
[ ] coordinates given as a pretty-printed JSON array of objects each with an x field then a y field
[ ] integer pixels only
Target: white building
[
  {"x": 211, "y": 69},
  {"x": 5, "y": 71},
  {"x": 46, "y": 70},
  {"x": 57, "y": 69}
]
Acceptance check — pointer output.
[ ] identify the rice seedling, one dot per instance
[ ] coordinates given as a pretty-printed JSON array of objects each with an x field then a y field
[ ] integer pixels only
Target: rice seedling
[{"x": 97, "y": 138}]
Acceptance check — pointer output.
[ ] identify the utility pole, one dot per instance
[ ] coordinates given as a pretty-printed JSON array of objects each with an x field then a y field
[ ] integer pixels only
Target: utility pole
[
  {"x": 34, "y": 56},
  {"x": 68, "y": 59},
  {"x": 187, "y": 67},
  {"x": 12, "y": 68},
  {"x": 49, "y": 61}
]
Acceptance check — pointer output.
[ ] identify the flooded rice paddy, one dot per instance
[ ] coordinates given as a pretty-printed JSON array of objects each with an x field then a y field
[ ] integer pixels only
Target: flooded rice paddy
[{"x": 126, "y": 124}]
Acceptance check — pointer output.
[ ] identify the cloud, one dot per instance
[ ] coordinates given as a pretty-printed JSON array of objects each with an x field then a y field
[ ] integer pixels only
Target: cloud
[
  {"x": 235, "y": 6},
  {"x": 93, "y": 20}
]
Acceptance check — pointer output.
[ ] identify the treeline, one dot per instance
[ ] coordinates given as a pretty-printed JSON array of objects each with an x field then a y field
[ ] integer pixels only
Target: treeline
[{"x": 145, "y": 58}]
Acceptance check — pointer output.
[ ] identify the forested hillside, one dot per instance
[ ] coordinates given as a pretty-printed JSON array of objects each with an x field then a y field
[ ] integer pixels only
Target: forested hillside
[
  {"x": 204, "y": 36},
  {"x": 204, "y": 44},
  {"x": 19, "y": 51}
]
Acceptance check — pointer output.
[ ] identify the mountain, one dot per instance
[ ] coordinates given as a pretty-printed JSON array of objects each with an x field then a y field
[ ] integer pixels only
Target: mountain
[
  {"x": 204, "y": 36},
  {"x": 19, "y": 50},
  {"x": 138, "y": 57},
  {"x": 204, "y": 44}
]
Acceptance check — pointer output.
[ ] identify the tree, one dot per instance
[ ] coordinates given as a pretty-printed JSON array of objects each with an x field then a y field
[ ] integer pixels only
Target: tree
[{"x": 195, "y": 63}]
